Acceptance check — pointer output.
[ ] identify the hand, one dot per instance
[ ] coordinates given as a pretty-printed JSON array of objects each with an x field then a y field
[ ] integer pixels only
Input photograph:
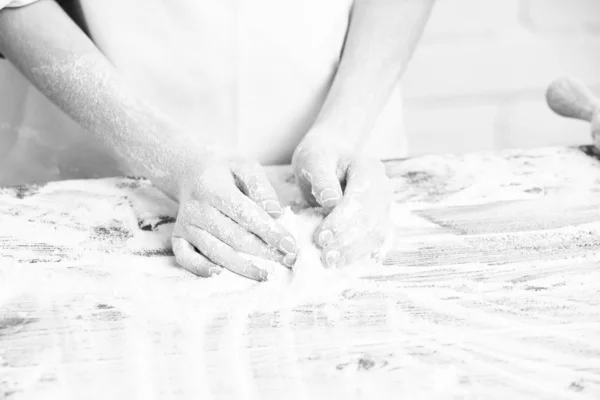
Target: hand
[
  {"x": 228, "y": 207},
  {"x": 356, "y": 190}
]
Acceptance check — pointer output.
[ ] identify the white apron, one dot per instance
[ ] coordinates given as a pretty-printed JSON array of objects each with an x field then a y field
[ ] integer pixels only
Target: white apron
[{"x": 245, "y": 74}]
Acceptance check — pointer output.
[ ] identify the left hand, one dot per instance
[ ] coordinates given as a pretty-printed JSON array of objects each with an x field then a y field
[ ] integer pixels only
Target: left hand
[{"x": 355, "y": 189}]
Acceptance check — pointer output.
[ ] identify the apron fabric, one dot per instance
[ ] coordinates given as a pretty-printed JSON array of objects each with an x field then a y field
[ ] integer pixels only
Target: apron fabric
[{"x": 244, "y": 74}]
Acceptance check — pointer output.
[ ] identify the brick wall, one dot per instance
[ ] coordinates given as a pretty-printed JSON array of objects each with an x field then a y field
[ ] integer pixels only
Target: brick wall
[{"x": 477, "y": 80}]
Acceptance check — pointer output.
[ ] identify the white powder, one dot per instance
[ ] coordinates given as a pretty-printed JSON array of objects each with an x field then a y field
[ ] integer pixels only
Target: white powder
[
  {"x": 308, "y": 267},
  {"x": 308, "y": 282}
]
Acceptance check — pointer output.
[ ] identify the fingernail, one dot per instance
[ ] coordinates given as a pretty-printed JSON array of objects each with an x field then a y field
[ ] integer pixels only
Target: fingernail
[
  {"x": 264, "y": 275},
  {"x": 325, "y": 237},
  {"x": 332, "y": 258},
  {"x": 288, "y": 245},
  {"x": 289, "y": 260},
  {"x": 329, "y": 197},
  {"x": 273, "y": 209}
]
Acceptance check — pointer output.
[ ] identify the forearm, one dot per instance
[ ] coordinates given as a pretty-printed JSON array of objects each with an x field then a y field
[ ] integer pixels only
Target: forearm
[
  {"x": 381, "y": 39},
  {"x": 57, "y": 57}
]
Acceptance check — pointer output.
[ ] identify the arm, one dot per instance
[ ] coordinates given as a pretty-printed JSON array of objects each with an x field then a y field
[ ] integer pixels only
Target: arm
[
  {"x": 382, "y": 37},
  {"x": 63, "y": 63},
  {"x": 227, "y": 205},
  {"x": 329, "y": 166}
]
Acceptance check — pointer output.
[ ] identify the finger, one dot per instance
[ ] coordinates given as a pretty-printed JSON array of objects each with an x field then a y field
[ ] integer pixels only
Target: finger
[
  {"x": 188, "y": 258},
  {"x": 223, "y": 255},
  {"x": 351, "y": 246},
  {"x": 231, "y": 233},
  {"x": 323, "y": 178},
  {"x": 253, "y": 182},
  {"x": 366, "y": 202},
  {"x": 254, "y": 219}
]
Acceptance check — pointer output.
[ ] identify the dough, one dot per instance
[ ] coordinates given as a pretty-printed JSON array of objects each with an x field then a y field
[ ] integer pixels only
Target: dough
[
  {"x": 308, "y": 281},
  {"x": 302, "y": 226},
  {"x": 308, "y": 266}
]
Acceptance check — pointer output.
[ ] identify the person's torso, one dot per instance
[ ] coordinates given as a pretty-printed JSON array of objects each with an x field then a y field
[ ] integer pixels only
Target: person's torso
[
  {"x": 250, "y": 74},
  {"x": 246, "y": 74}
]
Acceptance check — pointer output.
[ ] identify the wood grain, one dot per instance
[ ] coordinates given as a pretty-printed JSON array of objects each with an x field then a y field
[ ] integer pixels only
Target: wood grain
[{"x": 492, "y": 290}]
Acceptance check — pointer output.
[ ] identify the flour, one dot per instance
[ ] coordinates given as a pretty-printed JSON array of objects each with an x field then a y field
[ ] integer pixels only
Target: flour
[
  {"x": 308, "y": 264},
  {"x": 486, "y": 315},
  {"x": 308, "y": 267},
  {"x": 308, "y": 282}
]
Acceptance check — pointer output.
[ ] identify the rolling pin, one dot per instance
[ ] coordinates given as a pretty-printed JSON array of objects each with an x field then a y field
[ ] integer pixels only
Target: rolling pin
[{"x": 570, "y": 98}]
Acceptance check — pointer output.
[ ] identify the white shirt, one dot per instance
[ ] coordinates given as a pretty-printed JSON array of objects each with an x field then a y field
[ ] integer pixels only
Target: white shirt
[{"x": 249, "y": 74}]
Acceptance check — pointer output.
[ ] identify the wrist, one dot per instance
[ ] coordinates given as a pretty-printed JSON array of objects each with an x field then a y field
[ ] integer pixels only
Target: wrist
[
  {"x": 185, "y": 159},
  {"x": 328, "y": 137},
  {"x": 343, "y": 129}
]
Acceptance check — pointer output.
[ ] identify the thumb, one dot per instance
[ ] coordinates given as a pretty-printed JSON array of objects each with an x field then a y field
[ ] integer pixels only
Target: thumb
[{"x": 324, "y": 183}]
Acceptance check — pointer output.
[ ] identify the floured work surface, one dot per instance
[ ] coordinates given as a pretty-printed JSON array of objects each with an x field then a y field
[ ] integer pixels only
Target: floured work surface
[{"x": 492, "y": 290}]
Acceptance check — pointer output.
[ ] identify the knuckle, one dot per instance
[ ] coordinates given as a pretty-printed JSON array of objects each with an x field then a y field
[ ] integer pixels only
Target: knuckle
[
  {"x": 201, "y": 186},
  {"x": 215, "y": 223},
  {"x": 208, "y": 184},
  {"x": 192, "y": 211},
  {"x": 262, "y": 223},
  {"x": 248, "y": 243},
  {"x": 245, "y": 215},
  {"x": 186, "y": 209}
]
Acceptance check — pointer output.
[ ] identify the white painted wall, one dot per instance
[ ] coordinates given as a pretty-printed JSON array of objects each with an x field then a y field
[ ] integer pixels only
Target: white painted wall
[{"x": 478, "y": 79}]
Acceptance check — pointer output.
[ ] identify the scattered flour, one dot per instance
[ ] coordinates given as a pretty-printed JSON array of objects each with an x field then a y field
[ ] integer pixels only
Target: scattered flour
[
  {"x": 308, "y": 282},
  {"x": 309, "y": 267}
]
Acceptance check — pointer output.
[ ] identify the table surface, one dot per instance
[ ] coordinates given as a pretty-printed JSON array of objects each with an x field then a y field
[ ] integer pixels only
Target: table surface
[{"x": 491, "y": 290}]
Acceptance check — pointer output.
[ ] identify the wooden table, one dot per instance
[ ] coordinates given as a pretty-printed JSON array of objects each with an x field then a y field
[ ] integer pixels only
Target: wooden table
[{"x": 492, "y": 290}]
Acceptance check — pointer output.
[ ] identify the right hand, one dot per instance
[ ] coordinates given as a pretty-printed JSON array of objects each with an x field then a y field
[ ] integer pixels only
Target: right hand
[{"x": 226, "y": 207}]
